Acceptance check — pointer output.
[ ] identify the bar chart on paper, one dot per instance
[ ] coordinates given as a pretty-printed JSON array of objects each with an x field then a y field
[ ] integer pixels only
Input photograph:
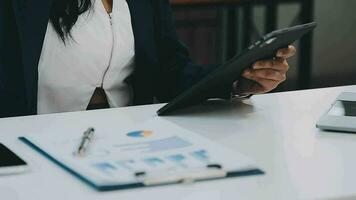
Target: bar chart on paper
[
  {"x": 150, "y": 151},
  {"x": 149, "y": 163}
]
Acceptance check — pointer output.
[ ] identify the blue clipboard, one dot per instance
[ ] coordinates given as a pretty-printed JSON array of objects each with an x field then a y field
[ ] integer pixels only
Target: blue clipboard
[{"x": 212, "y": 172}]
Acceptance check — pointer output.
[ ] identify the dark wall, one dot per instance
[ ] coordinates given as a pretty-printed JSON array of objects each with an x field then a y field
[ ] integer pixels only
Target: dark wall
[
  {"x": 198, "y": 29},
  {"x": 334, "y": 45}
]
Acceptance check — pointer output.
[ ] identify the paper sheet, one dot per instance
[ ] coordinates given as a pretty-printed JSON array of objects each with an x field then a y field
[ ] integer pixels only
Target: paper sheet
[{"x": 154, "y": 146}]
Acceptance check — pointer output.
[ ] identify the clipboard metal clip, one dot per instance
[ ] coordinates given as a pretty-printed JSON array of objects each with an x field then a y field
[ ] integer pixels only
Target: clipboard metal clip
[{"x": 187, "y": 176}]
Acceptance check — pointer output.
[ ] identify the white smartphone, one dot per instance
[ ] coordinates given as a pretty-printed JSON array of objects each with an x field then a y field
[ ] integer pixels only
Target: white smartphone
[
  {"x": 10, "y": 163},
  {"x": 342, "y": 114}
]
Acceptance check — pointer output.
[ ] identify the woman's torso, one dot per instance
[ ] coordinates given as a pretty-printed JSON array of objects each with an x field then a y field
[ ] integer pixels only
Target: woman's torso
[{"x": 100, "y": 54}]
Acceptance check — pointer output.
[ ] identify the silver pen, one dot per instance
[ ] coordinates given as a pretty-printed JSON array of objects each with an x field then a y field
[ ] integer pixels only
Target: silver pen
[{"x": 86, "y": 139}]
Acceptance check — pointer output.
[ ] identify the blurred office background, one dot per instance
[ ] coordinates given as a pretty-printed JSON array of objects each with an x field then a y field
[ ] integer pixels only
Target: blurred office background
[{"x": 207, "y": 27}]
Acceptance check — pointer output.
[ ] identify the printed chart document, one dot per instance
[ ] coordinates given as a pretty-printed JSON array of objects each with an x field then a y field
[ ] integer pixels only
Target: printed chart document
[{"x": 154, "y": 153}]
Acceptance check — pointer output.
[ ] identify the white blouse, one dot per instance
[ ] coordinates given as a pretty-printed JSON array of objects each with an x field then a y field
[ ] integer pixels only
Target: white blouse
[{"x": 100, "y": 54}]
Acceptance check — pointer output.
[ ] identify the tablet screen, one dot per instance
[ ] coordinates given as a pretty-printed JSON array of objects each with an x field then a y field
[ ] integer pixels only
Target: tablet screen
[{"x": 343, "y": 108}]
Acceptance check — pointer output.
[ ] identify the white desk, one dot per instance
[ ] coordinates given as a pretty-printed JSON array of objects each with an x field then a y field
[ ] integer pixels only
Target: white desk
[{"x": 277, "y": 130}]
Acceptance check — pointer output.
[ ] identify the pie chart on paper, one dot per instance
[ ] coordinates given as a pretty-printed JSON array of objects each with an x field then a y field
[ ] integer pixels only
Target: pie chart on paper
[{"x": 140, "y": 134}]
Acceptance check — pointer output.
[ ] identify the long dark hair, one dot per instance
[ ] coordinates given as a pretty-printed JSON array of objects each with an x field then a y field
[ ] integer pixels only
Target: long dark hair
[{"x": 64, "y": 14}]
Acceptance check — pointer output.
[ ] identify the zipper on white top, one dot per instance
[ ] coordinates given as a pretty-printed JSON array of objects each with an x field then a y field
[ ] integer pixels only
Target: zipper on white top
[
  {"x": 111, "y": 53},
  {"x": 109, "y": 14}
]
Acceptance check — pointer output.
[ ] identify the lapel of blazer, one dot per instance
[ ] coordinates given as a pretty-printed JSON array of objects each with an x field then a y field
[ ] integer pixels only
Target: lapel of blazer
[
  {"x": 143, "y": 29},
  {"x": 143, "y": 26},
  {"x": 32, "y": 19}
]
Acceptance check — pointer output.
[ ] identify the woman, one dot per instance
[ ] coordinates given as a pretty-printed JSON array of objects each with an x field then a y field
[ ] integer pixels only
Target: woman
[{"x": 71, "y": 55}]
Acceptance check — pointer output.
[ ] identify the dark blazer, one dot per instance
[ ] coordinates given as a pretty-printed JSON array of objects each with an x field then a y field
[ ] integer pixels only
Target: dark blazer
[{"x": 163, "y": 67}]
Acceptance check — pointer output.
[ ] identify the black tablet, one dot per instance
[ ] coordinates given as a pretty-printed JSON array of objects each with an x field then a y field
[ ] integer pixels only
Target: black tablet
[{"x": 226, "y": 74}]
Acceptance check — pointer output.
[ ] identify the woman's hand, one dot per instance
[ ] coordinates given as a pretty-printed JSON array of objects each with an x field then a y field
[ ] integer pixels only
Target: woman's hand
[{"x": 265, "y": 75}]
